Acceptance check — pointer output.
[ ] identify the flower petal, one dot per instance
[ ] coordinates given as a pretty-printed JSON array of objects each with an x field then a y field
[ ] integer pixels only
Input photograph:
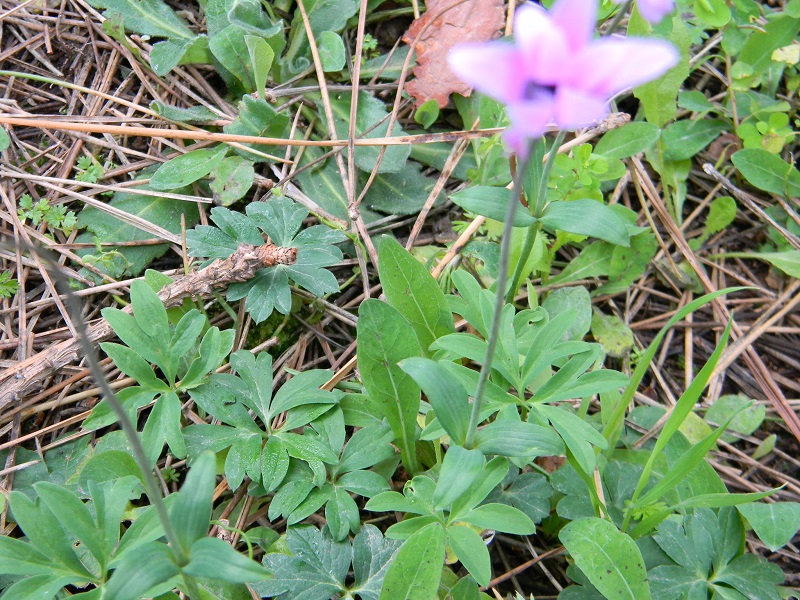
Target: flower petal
[
  {"x": 655, "y": 10},
  {"x": 574, "y": 108},
  {"x": 493, "y": 68},
  {"x": 542, "y": 44},
  {"x": 608, "y": 66},
  {"x": 577, "y": 19},
  {"x": 529, "y": 120}
]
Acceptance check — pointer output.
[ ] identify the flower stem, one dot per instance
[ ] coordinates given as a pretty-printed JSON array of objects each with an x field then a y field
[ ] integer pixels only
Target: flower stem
[
  {"x": 612, "y": 27},
  {"x": 538, "y": 206},
  {"x": 499, "y": 303}
]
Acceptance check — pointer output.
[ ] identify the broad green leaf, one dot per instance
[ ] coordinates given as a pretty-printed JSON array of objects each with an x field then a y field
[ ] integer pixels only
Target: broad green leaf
[
  {"x": 20, "y": 558},
  {"x": 261, "y": 57},
  {"x": 459, "y": 471},
  {"x": 129, "y": 362},
  {"x": 628, "y": 140},
  {"x": 687, "y": 137},
  {"x": 168, "y": 54},
  {"x": 230, "y": 48},
  {"x": 500, "y": 517},
  {"x": 659, "y": 97},
  {"x": 41, "y": 587},
  {"x": 384, "y": 339},
  {"x": 573, "y": 299},
  {"x": 193, "y": 114},
  {"x": 613, "y": 334},
  {"x": 775, "y": 523},
  {"x": 776, "y": 33},
  {"x": 578, "y": 435},
  {"x": 187, "y": 168},
  {"x": 767, "y": 172},
  {"x": 586, "y": 217},
  {"x": 232, "y": 179},
  {"x": 331, "y": 51},
  {"x": 491, "y": 202},
  {"x": 518, "y": 439},
  {"x": 609, "y": 558},
  {"x": 416, "y": 569},
  {"x": 413, "y": 291},
  {"x": 74, "y": 517},
  {"x": 146, "y": 17},
  {"x": 191, "y": 511},
  {"x": 721, "y": 214},
  {"x": 713, "y": 13},
  {"x": 148, "y": 310},
  {"x": 5, "y": 140},
  {"x": 372, "y": 116},
  {"x": 45, "y": 535},
  {"x": 748, "y": 415},
  {"x": 787, "y": 261},
  {"x": 257, "y": 117},
  {"x": 471, "y": 550},
  {"x": 152, "y": 564},
  {"x": 108, "y": 229},
  {"x": 445, "y": 393},
  {"x": 427, "y": 114},
  {"x": 215, "y": 558},
  {"x": 401, "y": 192},
  {"x": 528, "y": 492}
]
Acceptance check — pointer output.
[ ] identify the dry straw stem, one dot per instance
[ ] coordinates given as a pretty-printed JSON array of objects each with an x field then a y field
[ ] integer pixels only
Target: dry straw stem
[
  {"x": 24, "y": 377},
  {"x": 754, "y": 362}
]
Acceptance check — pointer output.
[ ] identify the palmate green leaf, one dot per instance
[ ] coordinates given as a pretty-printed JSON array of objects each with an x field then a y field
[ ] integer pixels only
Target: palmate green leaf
[
  {"x": 164, "y": 425},
  {"x": 528, "y": 492},
  {"x": 384, "y": 339},
  {"x": 148, "y": 17},
  {"x": 775, "y": 524},
  {"x": 609, "y": 558},
  {"x": 417, "y": 567},
  {"x": 256, "y": 117},
  {"x": 318, "y": 566}
]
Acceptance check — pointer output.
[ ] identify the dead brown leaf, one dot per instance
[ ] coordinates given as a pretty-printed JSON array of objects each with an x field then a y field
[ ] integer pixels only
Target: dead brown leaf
[{"x": 445, "y": 24}]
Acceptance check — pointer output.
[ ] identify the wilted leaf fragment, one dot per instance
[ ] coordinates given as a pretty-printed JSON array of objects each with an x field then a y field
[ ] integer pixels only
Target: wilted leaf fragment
[{"x": 439, "y": 29}]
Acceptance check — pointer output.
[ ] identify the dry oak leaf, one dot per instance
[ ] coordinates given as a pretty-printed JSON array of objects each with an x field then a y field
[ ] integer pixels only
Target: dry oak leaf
[{"x": 441, "y": 28}]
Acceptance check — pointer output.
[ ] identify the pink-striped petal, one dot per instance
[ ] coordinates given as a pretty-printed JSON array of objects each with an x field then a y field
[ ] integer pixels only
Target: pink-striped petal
[
  {"x": 574, "y": 108},
  {"x": 608, "y": 66},
  {"x": 577, "y": 19},
  {"x": 529, "y": 120},
  {"x": 492, "y": 68},
  {"x": 542, "y": 44},
  {"x": 655, "y": 10}
]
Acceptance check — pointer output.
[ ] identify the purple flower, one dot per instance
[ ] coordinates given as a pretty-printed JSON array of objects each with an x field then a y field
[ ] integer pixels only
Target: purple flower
[
  {"x": 653, "y": 10},
  {"x": 554, "y": 72}
]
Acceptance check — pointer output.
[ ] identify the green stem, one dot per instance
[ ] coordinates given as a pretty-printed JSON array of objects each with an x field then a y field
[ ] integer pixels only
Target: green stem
[
  {"x": 499, "y": 303},
  {"x": 617, "y": 18},
  {"x": 150, "y": 484},
  {"x": 537, "y": 205}
]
